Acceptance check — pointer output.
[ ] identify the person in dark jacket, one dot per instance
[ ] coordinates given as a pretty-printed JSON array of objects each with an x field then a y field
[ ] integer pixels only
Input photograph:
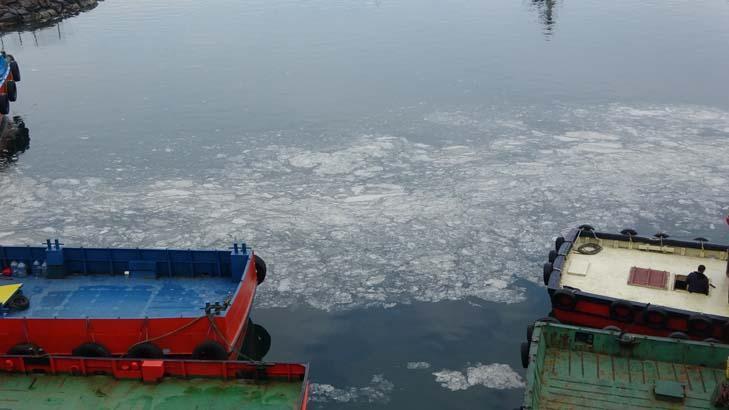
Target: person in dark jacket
[{"x": 697, "y": 282}]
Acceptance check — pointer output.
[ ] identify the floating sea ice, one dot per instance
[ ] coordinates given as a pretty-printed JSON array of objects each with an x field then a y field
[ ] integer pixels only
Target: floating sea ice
[
  {"x": 418, "y": 365},
  {"x": 493, "y": 376},
  {"x": 378, "y": 391}
]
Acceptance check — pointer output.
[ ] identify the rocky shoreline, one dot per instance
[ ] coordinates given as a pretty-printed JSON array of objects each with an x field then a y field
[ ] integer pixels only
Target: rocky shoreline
[{"x": 17, "y": 14}]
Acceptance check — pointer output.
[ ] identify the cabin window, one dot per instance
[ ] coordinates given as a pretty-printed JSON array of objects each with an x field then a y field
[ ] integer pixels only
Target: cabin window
[
  {"x": 648, "y": 277},
  {"x": 680, "y": 283}
]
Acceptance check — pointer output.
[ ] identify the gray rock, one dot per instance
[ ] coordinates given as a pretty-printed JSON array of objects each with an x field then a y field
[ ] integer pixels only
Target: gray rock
[{"x": 14, "y": 13}]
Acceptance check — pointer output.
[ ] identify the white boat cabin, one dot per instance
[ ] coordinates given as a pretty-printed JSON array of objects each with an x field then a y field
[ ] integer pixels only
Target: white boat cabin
[{"x": 648, "y": 273}]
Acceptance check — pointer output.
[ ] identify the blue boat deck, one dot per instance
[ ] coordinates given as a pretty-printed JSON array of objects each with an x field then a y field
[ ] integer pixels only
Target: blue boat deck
[
  {"x": 118, "y": 296},
  {"x": 124, "y": 282}
]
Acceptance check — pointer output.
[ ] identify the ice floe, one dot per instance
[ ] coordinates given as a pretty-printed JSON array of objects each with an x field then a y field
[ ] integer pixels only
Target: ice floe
[
  {"x": 492, "y": 376},
  {"x": 418, "y": 365},
  {"x": 378, "y": 391},
  {"x": 379, "y": 220}
]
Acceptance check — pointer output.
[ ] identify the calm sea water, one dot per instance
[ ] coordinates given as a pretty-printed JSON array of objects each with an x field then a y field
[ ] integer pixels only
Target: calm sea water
[{"x": 402, "y": 166}]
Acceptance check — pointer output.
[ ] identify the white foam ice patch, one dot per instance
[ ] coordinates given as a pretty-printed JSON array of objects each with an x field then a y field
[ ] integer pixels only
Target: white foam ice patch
[
  {"x": 380, "y": 220},
  {"x": 378, "y": 391},
  {"x": 418, "y": 365},
  {"x": 492, "y": 376}
]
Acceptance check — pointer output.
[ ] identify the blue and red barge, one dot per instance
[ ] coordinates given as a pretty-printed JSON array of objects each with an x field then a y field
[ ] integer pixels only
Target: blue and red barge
[{"x": 127, "y": 302}]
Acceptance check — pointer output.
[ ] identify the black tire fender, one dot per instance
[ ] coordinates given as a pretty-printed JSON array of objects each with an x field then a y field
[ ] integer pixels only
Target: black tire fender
[
  {"x": 655, "y": 317},
  {"x": 261, "y": 269},
  {"x": 564, "y": 299},
  {"x": 19, "y": 302},
  {"x": 586, "y": 227},
  {"x": 552, "y": 256},
  {"x": 257, "y": 342},
  {"x": 530, "y": 332},
  {"x": 701, "y": 326},
  {"x": 209, "y": 350},
  {"x": 725, "y": 331},
  {"x": 629, "y": 232},
  {"x": 91, "y": 350},
  {"x": 678, "y": 335},
  {"x": 524, "y": 354},
  {"x": 15, "y": 69},
  {"x": 558, "y": 243},
  {"x": 27, "y": 349},
  {"x": 547, "y": 273},
  {"x": 622, "y": 311},
  {"x": 12, "y": 90},
  {"x": 146, "y": 350},
  {"x": 4, "y": 104}
]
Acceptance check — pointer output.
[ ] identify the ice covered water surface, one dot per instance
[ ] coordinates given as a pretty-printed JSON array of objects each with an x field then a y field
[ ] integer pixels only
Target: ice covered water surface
[{"x": 382, "y": 219}]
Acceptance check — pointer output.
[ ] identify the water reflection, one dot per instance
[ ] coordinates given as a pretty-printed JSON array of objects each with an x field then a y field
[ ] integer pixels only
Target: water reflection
[
  {"x": 36, "y": 36},
  {"x": 14, "y": 139},
  {"x": 546, "y": 12}
]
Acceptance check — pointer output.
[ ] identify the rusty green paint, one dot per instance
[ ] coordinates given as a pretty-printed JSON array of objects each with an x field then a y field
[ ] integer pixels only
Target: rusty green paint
[
  {"x": 104, "y": 392},
  {"x": 579, "y": 368}
]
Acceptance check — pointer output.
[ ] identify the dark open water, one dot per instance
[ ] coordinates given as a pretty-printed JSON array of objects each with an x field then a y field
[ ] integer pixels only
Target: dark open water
[{"x": 401, "y": 165}]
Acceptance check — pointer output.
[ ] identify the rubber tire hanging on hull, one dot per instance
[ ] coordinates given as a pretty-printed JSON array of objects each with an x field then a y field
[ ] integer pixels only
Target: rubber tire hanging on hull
[
  {"x": 622, "y": 311},
  {"x": 27, "y": 349},
  {"x": 700, "y": 326},
  {"x": 4, "y": 104},
  {"x": 547, "y": 273},
  {"x": 678, "y": 335},
  {"x": 146, "y": 350},
  {"x": 658, "y": 312},
  {"x": 19, "y": 302},
  {"x": 91, "y": 350},
  {"x": 257, "y": 342},
  {"x": 260, "y": 265},
  {"x": 12, "y": 89},
  {"x": 725, "y": 332},
  {"x": 209, "y": 350},
  {"x": 15, "y": 69},
  {"x": 564, "y": 299},
  {"x": 524, "y": 354}
]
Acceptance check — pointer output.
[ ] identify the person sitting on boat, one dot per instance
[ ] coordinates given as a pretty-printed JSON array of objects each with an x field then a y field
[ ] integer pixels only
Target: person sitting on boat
[{"x": 697, "y": 282}]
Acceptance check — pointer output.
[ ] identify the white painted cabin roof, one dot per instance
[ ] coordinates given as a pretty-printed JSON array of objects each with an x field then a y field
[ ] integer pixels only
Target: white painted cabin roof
[{"x": 606, "y": 273}]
